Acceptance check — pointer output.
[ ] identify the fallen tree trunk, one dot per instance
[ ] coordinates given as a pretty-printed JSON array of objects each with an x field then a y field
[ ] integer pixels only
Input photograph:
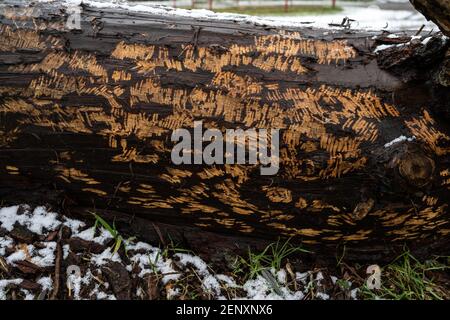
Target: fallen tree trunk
[
  {"x": 437, "y": 11},
  {"x": 87, "y": 116}
]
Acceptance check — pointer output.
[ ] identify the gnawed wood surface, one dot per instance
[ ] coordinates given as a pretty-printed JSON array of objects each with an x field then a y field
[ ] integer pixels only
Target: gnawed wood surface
[{"x": 86, "y": 119}]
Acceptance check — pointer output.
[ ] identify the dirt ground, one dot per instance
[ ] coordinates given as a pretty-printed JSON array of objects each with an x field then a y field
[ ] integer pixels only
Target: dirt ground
[{"x": 45, "y": 255}]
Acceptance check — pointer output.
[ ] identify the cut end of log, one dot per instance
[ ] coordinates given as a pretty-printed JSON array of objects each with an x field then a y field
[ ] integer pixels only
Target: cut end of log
[
  {"x": 416, "y": 168},
  {"x": 413, "y": 164}
]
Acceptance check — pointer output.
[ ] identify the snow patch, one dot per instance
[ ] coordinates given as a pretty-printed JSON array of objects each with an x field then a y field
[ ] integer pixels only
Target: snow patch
[
  {"x": 322, "y": 296},
  {"x": 426, "y": 40},
  {"x": 382, "y": 47},
  {"x": 172, "y": 293},
  {"x": 66, "y": 250},
  {"x": 354, "y": 293},
  {"x": 8, "y": 217},
  {"x": 100, "y": 295},
  {"x": 282, "y": 276},
  {"x": 151, "y": 261},
  {"x": 230, "y": 283},
  {"x": 209, "y": 282},
  {"x": 46, "y": 283},
  {"x": 76, "y": 281},
  {"x": 19, "y": 255},
  {"x": 44, "y": 257},
  {"x": 37, "y": 221},
  {"x": 5, "y": 242},
  {"x": 197, "y": 262},
  {"x": 399, "y": 139},
  {"x": 89, "y": 235},
  {"x": 370, "y": 18},
  {"x": 4, "y": 286},
  {"x": 42, "y": 219},
  {"x": 260, "y": 289},
  {"x": 302, "y": 276},
  {"x": 28, "y": 294},
  {"x": 73, "y": 224},
  {"x": 105, "y": 257}
]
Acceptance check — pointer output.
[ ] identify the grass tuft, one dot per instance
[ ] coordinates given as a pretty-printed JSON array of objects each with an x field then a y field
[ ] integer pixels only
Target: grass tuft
[
  {"x": 406, "y": 278},
  {"x": 118, "y": 239},
  {"x": 271, "y": 257}
]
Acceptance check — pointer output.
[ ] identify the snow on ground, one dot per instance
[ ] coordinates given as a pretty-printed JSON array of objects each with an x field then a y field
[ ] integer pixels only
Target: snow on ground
[
  {"x": 35, "y": 221},
  {"x": 89, "y": 235},
  {"x": 369, "y": 18},
  {"x": 4, "y": 285},
  {"x": 140, "y": 261}
]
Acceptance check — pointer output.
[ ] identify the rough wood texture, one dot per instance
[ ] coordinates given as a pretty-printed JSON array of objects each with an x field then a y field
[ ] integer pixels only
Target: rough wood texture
[
  {"x": 86, "y": 116},
  {"x": 437, "y": 11}
]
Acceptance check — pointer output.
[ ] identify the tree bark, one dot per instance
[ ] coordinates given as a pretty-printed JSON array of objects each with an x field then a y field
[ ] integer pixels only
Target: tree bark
[
  {"x": 86, "y": 118},
  {"x": 437, "y": 11}
]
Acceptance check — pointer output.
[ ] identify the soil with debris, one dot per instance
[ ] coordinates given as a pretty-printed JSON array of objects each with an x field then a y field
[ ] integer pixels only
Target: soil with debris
[{"x": 45, "y": 255}]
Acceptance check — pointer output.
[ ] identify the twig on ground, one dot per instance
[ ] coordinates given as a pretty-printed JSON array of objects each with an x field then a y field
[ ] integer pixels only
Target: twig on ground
[
  {"x": 420, "y": 30},
  {"x": 158, "y": 231},
  {"x": 58, "y": 259}
]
